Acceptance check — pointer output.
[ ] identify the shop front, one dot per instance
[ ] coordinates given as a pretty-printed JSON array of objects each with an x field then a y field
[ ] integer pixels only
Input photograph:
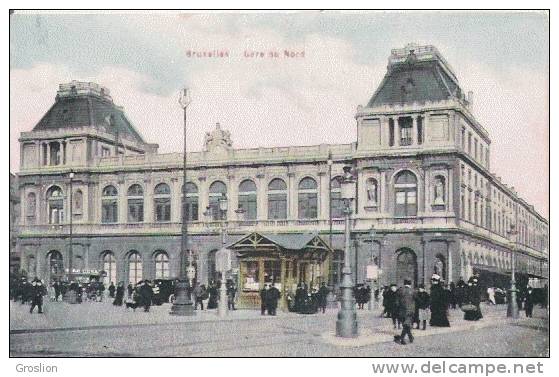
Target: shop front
[{"x": 282, "y": 259}]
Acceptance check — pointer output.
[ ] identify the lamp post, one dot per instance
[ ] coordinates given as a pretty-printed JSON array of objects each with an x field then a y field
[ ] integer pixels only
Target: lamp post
[
  {"x": 372, "y": 235},
  {"x": 222, "y": 307},
  {"x": 346, "y": 325},
  {"x": 71, "y": 235},
  {"x": 183, "y": 304},
  {"x": 512, "y": 309}
]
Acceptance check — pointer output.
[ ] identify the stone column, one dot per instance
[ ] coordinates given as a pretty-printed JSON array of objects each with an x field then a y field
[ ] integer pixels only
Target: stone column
[
  {"x": 232, "y": 196},
  {"x": 414, "y": 130},
  {"x": 122, "y": 203},
  {"x": 291, "y": 196},
  {"x": 149, "y": 215},
  {"x": 202, "y": 196},
  {"x": 323, "y": 195},
  {"x": 48, "y": 154},
  {"x": 261, "y": 197}
]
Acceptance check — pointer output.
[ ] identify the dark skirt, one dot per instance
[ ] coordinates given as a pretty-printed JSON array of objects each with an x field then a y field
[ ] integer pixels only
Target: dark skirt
[
  {"x": 473, "y": 315},
  {"x": 439, "y": 318}
]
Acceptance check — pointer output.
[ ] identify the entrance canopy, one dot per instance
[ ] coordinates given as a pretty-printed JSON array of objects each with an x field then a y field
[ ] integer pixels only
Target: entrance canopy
[{"x": 304, "y": 246}]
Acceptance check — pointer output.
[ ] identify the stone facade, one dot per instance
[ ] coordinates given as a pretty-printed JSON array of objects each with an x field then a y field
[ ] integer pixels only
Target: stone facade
[{"x": 423, "y": 184}]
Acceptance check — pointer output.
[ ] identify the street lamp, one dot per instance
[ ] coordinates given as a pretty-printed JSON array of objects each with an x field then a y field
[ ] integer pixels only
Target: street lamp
[
  {"x": 512, "y": 309},
  {"x": 346, "y": 325},
  {"x": 183, "y": 304},
  {"x": 374, "y": 267},
  {"x": 70, "y": 249},
  {"x": 222, "y": 307}
]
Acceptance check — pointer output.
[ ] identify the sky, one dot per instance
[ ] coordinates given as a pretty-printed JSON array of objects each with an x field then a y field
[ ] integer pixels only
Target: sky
[{"x": 310, "y": 98}]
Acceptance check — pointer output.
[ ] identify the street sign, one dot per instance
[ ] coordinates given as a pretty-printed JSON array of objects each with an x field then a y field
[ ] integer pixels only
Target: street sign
[{"x": 223, "y": 260}]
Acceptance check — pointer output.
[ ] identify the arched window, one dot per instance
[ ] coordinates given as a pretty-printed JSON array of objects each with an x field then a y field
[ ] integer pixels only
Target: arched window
[
  {"x": 109, "y": 266},
  {"x": 55, "y": 204},
  {"x": 161, "y": 265},
  {"x": 77, "y": 205},
  {"x": 31, "y": 206},
  {"x": 247, "y": 199},
  {"x": 336, "y": 201},
  {"x": 134, "y": 267},
  {"x": 190, "y": 203},
  {"x": 308, "y": 199},
  {"x": 372, "y": 192},
  {"x": 336, "y": 267},
  {"x": 277, "y": 199},
  {"x": 406, "y": 266},
  {"x": 217, "y": 189},
  {"x": 439, "y": 194},
  {"x": 135, "y": 204},
  {"x": 56, "y": 265},
  {"x": 212, "y": 271},
  {"x": 405, "y": 189},
  {"x": 162, "y": 202},
  {"x": 109, "y": 205}
]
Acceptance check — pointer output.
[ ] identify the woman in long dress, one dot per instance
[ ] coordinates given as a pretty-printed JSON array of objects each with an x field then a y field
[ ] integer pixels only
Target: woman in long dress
[
  {"x": 439, "y": 303},
  {"x": 473, "y": 297},
  {"x": 212, "y": 303},
  {"x": 119, "y": 295}
]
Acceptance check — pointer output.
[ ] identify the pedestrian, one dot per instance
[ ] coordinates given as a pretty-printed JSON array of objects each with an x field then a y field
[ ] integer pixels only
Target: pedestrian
[
  {"x": 119, "y": 297},
  {"x": 231, "y": 293},
  {"x": 146, "y": 295},
  {"x": 129, "y": 291},
  {"x": 56, "y": 287},
  {"x": 214, "y": 294},
  {"x": 112, "y": 289},
  {"x": 37, "y": 292},
  {"x": 197, "y": 293},
  {"x": 529, "y": 302},
  {"x": 300, "y": 294},
  {"x": 391, "y": 307},
  {"x": 439, "y": 303},
  {"x": 453, "y": 300},
  {"x": 272, "y": 298},
  {"x": 101, "y": 288},
  {"x": 323, "y": 297},
  {"x": 422, "y": 310},
  {"x": 263, "y": 299},
  {"x": 406, "y": 311},
  {"x": 491, "y": 295},
  {"x": 472, "y": 311}
]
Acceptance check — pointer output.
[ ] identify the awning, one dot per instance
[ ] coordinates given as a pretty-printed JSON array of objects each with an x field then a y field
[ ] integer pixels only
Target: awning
[{"x": 310, "y": 245}]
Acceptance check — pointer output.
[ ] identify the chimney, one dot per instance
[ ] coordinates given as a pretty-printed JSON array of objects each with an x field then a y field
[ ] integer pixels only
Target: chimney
[{"x": 471, "y": 101}]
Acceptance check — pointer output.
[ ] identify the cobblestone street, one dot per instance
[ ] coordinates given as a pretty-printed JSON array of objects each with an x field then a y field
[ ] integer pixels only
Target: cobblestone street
[{"x": 99, "y": 329}]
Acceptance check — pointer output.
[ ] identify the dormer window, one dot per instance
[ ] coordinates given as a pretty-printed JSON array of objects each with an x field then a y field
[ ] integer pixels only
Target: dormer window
[{"x": 406, "y": 130}]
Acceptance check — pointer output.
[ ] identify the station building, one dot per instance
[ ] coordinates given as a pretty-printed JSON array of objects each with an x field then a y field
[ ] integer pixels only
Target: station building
[{"x": 426, "y": 198}]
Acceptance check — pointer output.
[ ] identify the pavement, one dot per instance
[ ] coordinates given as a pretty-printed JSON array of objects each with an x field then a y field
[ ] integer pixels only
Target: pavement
[{"x": 100, "y": 329}]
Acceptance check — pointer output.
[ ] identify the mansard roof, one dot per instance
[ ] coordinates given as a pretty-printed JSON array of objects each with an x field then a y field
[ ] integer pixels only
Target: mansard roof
[
  {"x": 416, "y": 74},
  {"x": 86, "y": 104}
]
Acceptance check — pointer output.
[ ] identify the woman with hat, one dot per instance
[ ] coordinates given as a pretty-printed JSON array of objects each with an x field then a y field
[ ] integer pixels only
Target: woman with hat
[
  {"x": 472, "y": 311},
  {"x": 439, "y": 303},
  {"x": 422, "y": 311}
]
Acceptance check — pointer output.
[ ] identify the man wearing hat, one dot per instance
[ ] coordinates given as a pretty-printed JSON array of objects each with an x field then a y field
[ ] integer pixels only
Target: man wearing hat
[
  {"x": 422, "y": 303},
  {"x": 38, "y": 290},
  {"x": 439, "y": 303},
  {"x": 406, "y": 311}
]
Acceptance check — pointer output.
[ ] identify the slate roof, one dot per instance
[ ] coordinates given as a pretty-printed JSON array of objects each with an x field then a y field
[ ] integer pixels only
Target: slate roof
[
  {"x": 415, "y": 81},
  {"x": 87, "y": 110},
  {"x": 290, "y": 241}
]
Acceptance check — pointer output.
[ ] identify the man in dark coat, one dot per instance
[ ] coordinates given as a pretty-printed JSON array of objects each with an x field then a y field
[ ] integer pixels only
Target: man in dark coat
[
  {"x": 56, "y": 287},
  {"x": 529, "y": 302},
  {"x": 391, "y": 305},
  {"x": 112, "y": 290},
  {"x": 473, "y": 297},
  {"x": 439, "y": 303},
  {"x": 300, "y": 294},
  {"x": 460, "y": 287},
  {"x": 422, "y": 304},
  {"x": 263, "y": 298},
  {"x": 322, "y": 297},
  {"x": 272, "y": 299},
  {"x": 231, "y": 292},
  {"x": 38, "y": 290},
  {"x": 406, "y": 311},
  {"x": 146, "y": 294},
  {"x": 119, "y": 295}
]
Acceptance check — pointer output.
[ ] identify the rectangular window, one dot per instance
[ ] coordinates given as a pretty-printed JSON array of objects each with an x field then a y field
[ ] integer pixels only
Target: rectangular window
[
  {"x": 406, "y": 130},
  {"x": 105, "y": 152},
  {"x": 308, "y": 208},
  {"x": 337, "y": 205},
  {"x": 463, "y": 138},
  {"x": 475, "y": 149},
  {"x": 191, "y": 208},
  {"x": 277, "y": 206},
  {"x": 109, "y": 211},
  {"x": 135, "y": 210},
  {"x": 469, "y": 143},
  {"x": 162, "y": 209}
]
